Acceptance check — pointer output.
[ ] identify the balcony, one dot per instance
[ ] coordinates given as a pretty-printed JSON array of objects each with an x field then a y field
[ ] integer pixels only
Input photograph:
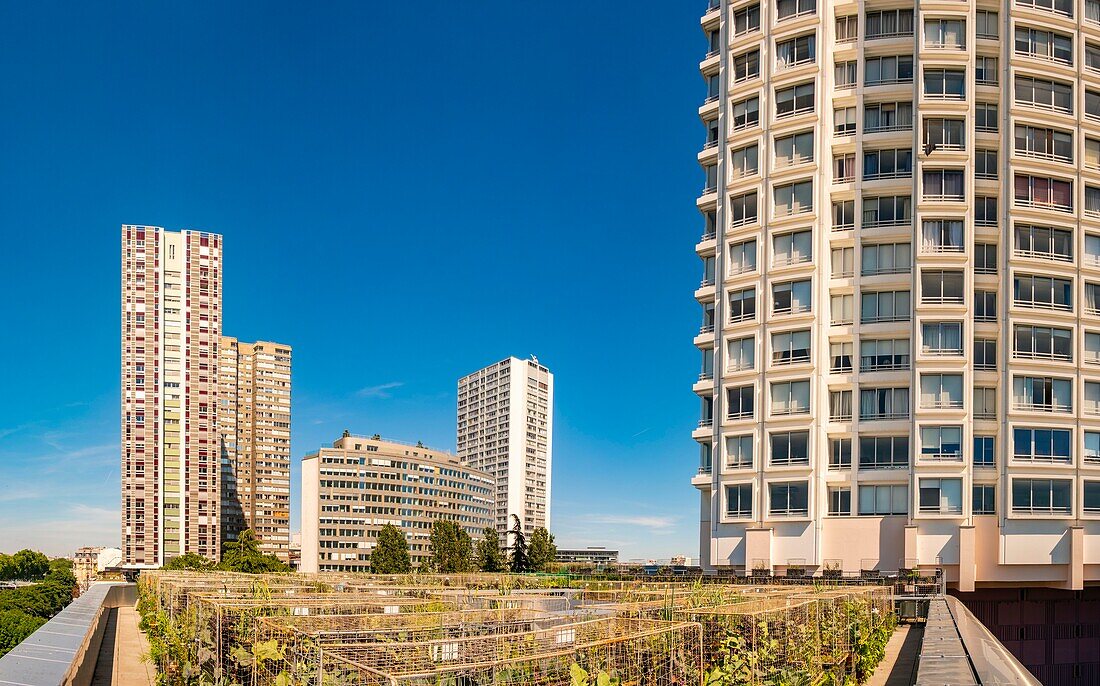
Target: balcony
[
  {"x": 1024, "y": 406},
  {"x": 1046, "y": 256},
  {"x": 882, "y": 417},
  {"x": 942, "y": 404},
  {"x": 1044, "y": 205}
]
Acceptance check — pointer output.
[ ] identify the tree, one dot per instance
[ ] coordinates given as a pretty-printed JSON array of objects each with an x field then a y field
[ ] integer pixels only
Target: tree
[
  {"x": 189, "y": 561},
  {"x": 243, "y": 555},
  {"x": 541, "y": 551},
  {"x": 450, "y": 546},
  {"x": 16, "y": 625},
  {"x": 391, "y": 553},
  {"x": 26, "y": 565},
  {"x": 490, "y": 558},
  {"x": 520, "y": 563}
]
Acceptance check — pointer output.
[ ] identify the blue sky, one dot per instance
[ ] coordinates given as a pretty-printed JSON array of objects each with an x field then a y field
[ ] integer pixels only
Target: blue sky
[{"x": 427, "y": 187}]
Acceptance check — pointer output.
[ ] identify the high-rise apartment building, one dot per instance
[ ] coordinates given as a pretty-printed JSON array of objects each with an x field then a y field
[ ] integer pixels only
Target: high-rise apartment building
[
  {"x": 900, "y": 290},
  {"x": 254, "y": 430},
  {"x": 505, "y": 427},
  {"x": 171, "y": 323},
  {"x": 353, "y": 489}
]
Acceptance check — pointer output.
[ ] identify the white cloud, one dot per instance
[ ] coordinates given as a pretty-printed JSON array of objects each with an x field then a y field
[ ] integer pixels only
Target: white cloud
[
  {"x": 379, "y": 391},
  {"x": 654, "y": 523},
  {"x": 73, "y": 527}
]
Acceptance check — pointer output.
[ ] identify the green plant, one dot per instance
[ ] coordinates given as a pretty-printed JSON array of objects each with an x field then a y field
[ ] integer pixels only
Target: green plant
[
  {"x": 578, "y": 676},
  {"x": 391, "y": 553}
]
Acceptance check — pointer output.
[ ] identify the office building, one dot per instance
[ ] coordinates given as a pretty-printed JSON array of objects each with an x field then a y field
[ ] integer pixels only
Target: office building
[
  {"x": 254, "y": 431},
  {"x": 505, "y": 427},
  {"x": 351, "y": 490},
  {"x": 171, "y": 323},
  {"x": 594, "y": 555},
  {"x": 900, "y": 296}
]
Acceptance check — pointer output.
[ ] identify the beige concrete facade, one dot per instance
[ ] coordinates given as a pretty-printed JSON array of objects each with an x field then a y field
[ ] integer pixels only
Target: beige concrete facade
[
  {"x": 351, "y": 490},
  {"x": 506, "y": 428},
  {"x": 900, "y": 298},
  {"x": 171, "y": 323},
  {"x": 254, "y": 429}
]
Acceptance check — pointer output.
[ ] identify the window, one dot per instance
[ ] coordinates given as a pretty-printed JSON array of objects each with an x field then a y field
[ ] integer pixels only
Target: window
[
  {"x": 847, "y": 29},
  {"x": 840, "y": 356},
  {"x": 1042, "y": 343},
  {"x": 941, "y": 443},
  {"x": 739, "y": 501},
  {"x": 746, "y": 66},
  {"x": 1092, "y": 201},
  {"x": 707, "y": 369},
  {"x": 845, "y": 74},
  {"x": 743, "y": 209},
  {"x": 1042, "y": 394},
  {"x": 985, "y": 499},
  {"x": 1092, "y": 299},
  {"x": 708, "y": 271},
  {"x": 710, "y": 224},
  {"x": 1092, "y": 57},
  {"x": 739, "y": 450},
  {"x": 889, "y": 24},
  {"x": 741, "y": 402},
  {"x": 1057, "y": 6},
  {"x": 1041, "y": 445},
  {"x": 941, "y": 235},
  {"x": 1044, "y": 242},
  {"x": 985, "y": 211},
  {"x": 1044, "y": 192},
  {"x": 985, "y": 164},
  {"x": 746, "y": 113},
  {"x": 1043, "y": 143},
  {"x": 883, "y": 354},
  {"x": 940, "y": 496},
  {"x": 744, "y": 161},
  {"x": 943, "y": 184},
  {"x": 843, "y": 262},
  {"x": 714, "y": 43},
  {"x": 1092, "y": 154},
  {"x": 713, "y": 87},
  {"x": 793, "y": 248},
  {"x": 941, "y": 391},
  {"x": 840, "y": 406},
  {"x": 941, "y": 287},
  {"x": 984, "y": 451},
  {"x": 742, "y": 305},
  {"x": 985, "y": 306},
  {"x": 884, "y": 306},
  {"x": 985, "y": 354},
  {"x": 1091, "y": 500},
  {"x": 1092, "y": 447},
  {"x": 887, "y": 164},
  {"x": 794, "y": 198},
  {"x": 941, "y": 338},
  {"x": 708, "y": 319},
  {"x": 886, "y": 258},
  {"x": 945, "y": 33},
  {"x": 1042, "y": 292},
  {"x": 985, "y": 71},
  {"x": 840, "y": 453},
  {"x": 1092, "y": 398},
  {"x": 883, "y": 403},
  {"x": 1092, "y": 11},
  {"x": 789, "y": 499},
  {"x": 844, "y": 168},
  {"x": 844, "y": 215},
  {"x": 987, "y": 24},
  {"x": 844, "y": 121},
  {"x": 945, "y": 134},
  {"x": 883, "y": 500},
  {"x": 985, "y": 258},
  {"x": 712, "y": 134},
  {"x": 985, "y": 117},
  {"x": 945, "y": 84},
  {"x": 794, "y": 8},
  {"x": 794, "y": 149},
  {"x": 799, "y": 50},
  {"x": 840, "y": 501},
  {"x": 742, "y": 257},
  {"x": 985, "y": 403},
  {"x": 888, "y": 116},
  {"x": 710, "y": 178},
  {"x": 790, "y": 448},
  {"x": 791, "y": 397},
  {"x": 888, "y": 210},
  {"x": 795, "y": 100},
  {"x": 792, "y": 297},
  {"x": 1044, "y": 94},
  {"x": 879, "y": 71},
  {"x": 841, "y": 309},
  {"x": 791, "y": 347},
  {"x": 1041, "y": 496},
  {"x": 1045, "y": 45},
  {"x": 1092, "y": 104},
  {"x": 746, "y": 20},
  {"x": 883, "y": 452},
  {"x": 742, "y": 354}
]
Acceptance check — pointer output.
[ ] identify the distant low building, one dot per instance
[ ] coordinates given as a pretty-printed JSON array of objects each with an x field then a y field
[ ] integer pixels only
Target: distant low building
[
  {"x": 596, "y": 555},
  {"x": 88, "y": 562}
]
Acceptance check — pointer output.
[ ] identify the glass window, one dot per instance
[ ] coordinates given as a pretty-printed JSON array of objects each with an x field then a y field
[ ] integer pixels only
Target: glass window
[
  {"x": 840, "y": 406},
  {"x": 887, "y": 164},
  {"x": 840, "y": 453},
  {"x": 793, "y": 248},
  {"x": 841, "y": 309},
  {"x": 793, "y": 8},
  {"x": 883, "y": 500},
  {"x": 743, "y": 209},
  {"x": 985, "y": 500},
  {"x": 1046, "y": 45},
  {"x": 985, "y": 211},
  {"x": 884, "y": 306},
  {"x": 798, "y": 50},
  {"x": 790, "y": 448},
  {"x": 888, "y": 116},
  {"x": 790, "y": 397},
  {"x": 794, "y": 198},
  {"x": 746, "y": 66},
  {"x": 884, "y": 354},
  {"x": 844, "y": 215},
  {"x": 941, "y": 390},
  {"x": 840, "y": 501},
  {"x": 1042, "y": 394},
  {"x": 746, "y": 20},
  {"x": 744, "y": 161},
  {"x": 1044, "y": 242},
  {"x": 985, "y": 164},
  {"x": 941, "y": 338},
  {"x": 1041, "y": 496},
  {"x": 1041, "y": 191},
  {"x": 847, "y": 28},
  {"x": 985, "y": 117},
  {"x": 886, "y": 70},
  {"x": 883, "y": 452},
  {"x": 746, "y": 113},
  {"x": 843, "y": 262},
  {"x": 739, "y": 451},
  {"x": 887, "y": 258},
  {"x": 788, "y": 499},
  {"x": 1041, "y": 445},
  {"x": 945, "y": 33},
  {"x": 940, "y": 496},
  {"x": 941, "y": 286},
  {"x": 794, "y": 149},
  {"x": 984, "y": 451},
  {"x": 1091, "y": 497},
  {"x": 790, "y": 347},
  {"x": 1092, "y": 447},
  {"x": 941, "y": 235},
  {"x": 792, "y": 297},
  {"x": 844, "y": 167},
  {"x": 1042, "y": 292},
  {"x": 740, "y": 401},
  {"x": 1057, "y": 6},
  {"x": 742, "y": 352},
  {"x": 985, "y": 354},
  {"x": 985, "y": 402},
  {"x": 945, "y": 83},
  {"x": 840, "y": 356},
  {"x": 883, "y": 403},
  {"x": 1044, "y": 143},
  {"x": 889, "y": 210},
  {"x": 795, "y": 100},
  {"x": 1092, "y": 347},
  {"x": 845, "y": 74},
  {"x": 943, "y": 184},
  {"x": 941, "y": 443},
  {"x": 739, "y": 501},
  {"x": 985, "y": 258},
  {"x": 742, "y": 305},
  {"x": 985, "y": 70},
  {"x": 1042, "y": 343},
  {"x": 1044, "y": 94},
  {"x": 987, "y": 24},
  {"x": 743, "y": 257},
  {"x": 946, "y": 134},
  {"x": 844, "y": 121},
  {"x": 889, "y": 23}
]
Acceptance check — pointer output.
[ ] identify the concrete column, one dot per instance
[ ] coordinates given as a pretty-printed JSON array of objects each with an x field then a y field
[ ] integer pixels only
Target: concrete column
[
  {"x": 967, "y": 565},
  {"x": 758, "y": 546},
  {"x": 911, "y": 543},
  {"x": 1077, "y": 558}
]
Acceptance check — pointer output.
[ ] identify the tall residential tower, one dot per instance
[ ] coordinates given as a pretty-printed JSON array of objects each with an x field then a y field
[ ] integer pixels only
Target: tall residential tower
[
  {"x": 505, "y": 427},
  {"x": 900, "y": 297}
]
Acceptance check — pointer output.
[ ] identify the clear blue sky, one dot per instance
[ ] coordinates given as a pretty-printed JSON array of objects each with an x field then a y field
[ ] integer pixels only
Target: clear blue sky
[{"x": 408, "y": 191}]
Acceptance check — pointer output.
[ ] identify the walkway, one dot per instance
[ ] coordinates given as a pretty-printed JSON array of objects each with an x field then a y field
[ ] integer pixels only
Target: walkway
[
  {"x": 899, "y": 667},
  {"x": 121, "y": 651}
]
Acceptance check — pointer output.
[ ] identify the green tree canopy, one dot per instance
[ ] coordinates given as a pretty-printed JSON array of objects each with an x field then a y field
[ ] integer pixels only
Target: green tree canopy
[
  {"x": 490, "y": 558},
  {"x": 243, "y": 555},
  {"x": 391, "y": 553},
  {"x": 26, "y": 565},
  {"x": 541, "y": 550},
  {"x": 189, "y": 561},
  {"x": 450, "y": 546},
  {"x": 520, "y": 563}
]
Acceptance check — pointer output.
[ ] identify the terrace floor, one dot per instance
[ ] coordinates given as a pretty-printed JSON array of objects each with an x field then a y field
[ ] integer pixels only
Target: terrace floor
[
  {"x": 120, "y": 653},
  {"x": 899, "y": 667}
]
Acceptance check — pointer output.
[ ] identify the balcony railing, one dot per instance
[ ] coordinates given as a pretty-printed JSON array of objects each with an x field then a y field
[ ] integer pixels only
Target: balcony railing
[
  {"x": 1043, "y": 459},
  {"x": 1044, "y": 205},
  {"x": 1032, "y": 305},
  {"x": 899, "y": 174},
  {"x": 740, "y": 414},
  {"x": 1025, "y": 406},
  {"x": 742, "y": 317},
  {"x": 1041, "y": 355},
  {"x": 1040, "y": 155},
  {"x": 788, "y": 411},
  {"x": 706, "y": 328},
  {"x": 788, "y": 260},
  {"x": 940, "y": 509},
  {"x": 1044, "y": 255},
  {"x": 790, "y": 461},
  {"x": 706, "y": 423},
  {"x": 941, "y": 404},
  {"x": 883, "y": 463},
  {"x": 791, "y": 309},
  {"x": 882, "y": 223},
  {"x": 882, "y": 416},
  {"x": 783, "y": 359},
  {"x": 940, "y": 248},
  {"x": 955, "y": 456},
  {"x": 885, "y": 318},
  {"x": 942, "y": 299},
  {"x": 984, "y": 415},
  {"x": 868, "y": 364},
  {"x": 906, "y": 126}
]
